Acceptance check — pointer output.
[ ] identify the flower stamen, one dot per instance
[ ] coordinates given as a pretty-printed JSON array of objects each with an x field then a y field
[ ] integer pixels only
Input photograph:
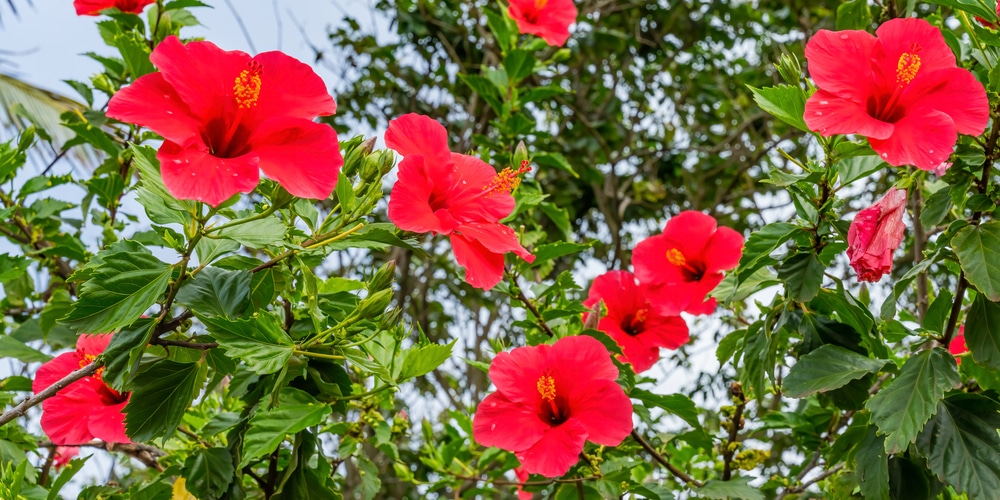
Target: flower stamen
[
  {"x": 908, "y": 66},
  {"x": 546, "y": 387},
  {"x": 88, "y": 359},
  {"x": 675, "y": 257},
  {"x": 507, "y": 180},
  {"x": 246, "y": 88}
]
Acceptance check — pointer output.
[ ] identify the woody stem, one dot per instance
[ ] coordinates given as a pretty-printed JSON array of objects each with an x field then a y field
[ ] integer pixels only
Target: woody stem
[{"x": 48, "y": 392}]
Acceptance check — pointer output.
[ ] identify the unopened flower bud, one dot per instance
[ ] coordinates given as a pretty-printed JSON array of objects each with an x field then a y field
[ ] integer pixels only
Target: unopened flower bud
[
  {"x": 387, "y": 162},
  {"x": 875, "y": 234},
  {"x": 375, "y": 303},
  {"x": 789, "y": 68},
  {"x": 370, "y": 170},
  {"x": 520, "y": 154},
  {"x": 383, "y": 277}
]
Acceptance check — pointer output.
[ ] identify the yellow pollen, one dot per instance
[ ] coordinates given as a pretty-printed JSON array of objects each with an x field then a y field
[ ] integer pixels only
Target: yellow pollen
[
  {"x": 88, "y": 359},
  {"x": 547, "y": 388},
  {"x": 539, "y": 4},
  {"x": 640, "y": 316},
  {"x": 507, "y": 180},
  {"x": 675, "y": 257},
  {"x": 907, "y": 67},
  {"x": 246, "y": 88}
]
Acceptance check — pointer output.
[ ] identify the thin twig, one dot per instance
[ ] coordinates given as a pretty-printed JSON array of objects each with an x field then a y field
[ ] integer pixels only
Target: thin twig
[
  {"x": 48, "y": 392},
  {"x": 679, "y": 474},
  {"x": 736, "y": 390}
]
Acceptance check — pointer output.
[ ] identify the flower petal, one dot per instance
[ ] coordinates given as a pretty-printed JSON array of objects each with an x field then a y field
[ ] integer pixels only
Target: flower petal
[
  {"x": 290, "y": 88},
  {"x": 64, "y": 419},
  {"x": 830, "y": 115},
  {"x": 899, "y": 36},
  {"x": 191, "y": 173},
  {"x": 467, "y": 200},
  {"x": 604, "y": 409},
  {"x": 551, "y": 22},
  {"x": 302, "y": 156},
  {"x": 570, "y": 353},
  {"x": 516, "y": 373},
  {"x": 955, "y": 92},
  {"x": 55, "y": 369},
  {"x": 690, "y": 231},
  {"x": 496, "y": 237},
  {"x": 649, "y": 258},
  {"x": 619, "y": 292},
  {"x": 634, "y": 351},
  {"x": 483, "y": 267},
  {"x": 413, "y": 134},
  {"x": 107, "y": 423},
  {"x": 833, "y": 62},
  {"x": 923, "y": 139},
  {"x": 670, "y": 332},
  {"x": 557, "y": 451},
  {"x": 409, "y": 200},
  {"x": 508, "y": 425},
  {"x": 92, "y": 344},
  {"x": 723, "y": 250},
  {"x": 152, "y": 102},
  {"x": 201, "y": 73}
]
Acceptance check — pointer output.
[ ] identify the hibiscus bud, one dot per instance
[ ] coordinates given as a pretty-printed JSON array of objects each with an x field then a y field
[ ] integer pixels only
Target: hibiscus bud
[
  {"x": 789, "y": 68},
  {"x": 383, "y": 277},
  {"x": 375, "y": 303},
  {"x": 875, "y": 234},
  {"x": 367, "y": 146},
  {"x": 370, "y": 170},
  {"x": 520, "y": 153},
  {"x": 387, "y": 162},
  {"x": 390, "y": 319}
]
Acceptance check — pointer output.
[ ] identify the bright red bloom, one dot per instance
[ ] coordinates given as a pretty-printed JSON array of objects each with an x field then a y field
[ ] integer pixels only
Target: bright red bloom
[
  {"x": 441, "y": 192},
  {"x": 678, "y": 268},
  {"x": 549, "y": 19},
  {"x": 550, "y": 400},
  {"x": 225, "y": 115},
  {"x": 632, "y": 320},
  {"x": 901, "y": 90},
  {"x": 62, "y": 455},
  {"x": 875, "y": 234},
  {"x": 958, "y": 345},
  {"x": 94, "y": 7},
  {"x": 87, "y": 408}
]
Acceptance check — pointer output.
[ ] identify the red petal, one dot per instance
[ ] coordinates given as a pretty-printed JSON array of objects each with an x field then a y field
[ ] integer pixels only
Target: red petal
[
  {"x": 551, "y": 21},
  {"x": 413, "y": 134},
  {"x": 690, "y": 231},
  {"x": 649, "y": 258},
  {"x": 191, "y": 173},
  {"x": 923, "y": 139},
  {"x": 634, "y": 351},
  {"x": 201, "y": 73},
  {"x": 483, "y": 268},
  {"x": 302, "y": 156},
  {"x": 495, "y": 237},
  {"x": 830, "y": 115},
  {"x": 568, "y": 354},
  {"x": 92, "y": 344},
  {"x": 151, "y": 102},
  {"x": 557, "y": 451},
  {"x": 706, "y": 307},
  {"x": 64, "y": 419},
  {"x": 670, "y": 332},
  {"x": 619, "y": 292},
  {"x": 289, "y": 87},
  {"x": 511, "y": 426},
  {"x": 516, "y": 373},
  {"x": 673, "y": 298},
  {"x": 604, "y": 409},
  {"x": 467, "y": 200},
  {"x": 55, "y": 369},
  {"x": 838, "y": 62},
  {"x": 107, "y": 423},
  {"x": 723, "y": 251},
  {"x": 409, "y": 201},
  {"x": 956, "y": 92},
  {"x": 898, "y": 36}
]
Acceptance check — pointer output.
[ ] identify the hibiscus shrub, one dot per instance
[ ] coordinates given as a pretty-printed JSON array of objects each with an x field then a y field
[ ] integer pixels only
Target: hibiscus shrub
[{"x": 218, "y": 308}]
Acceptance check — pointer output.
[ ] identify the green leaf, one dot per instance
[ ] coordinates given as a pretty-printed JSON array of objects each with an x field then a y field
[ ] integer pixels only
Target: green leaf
[
  {"x": 121, "y": 357},
  {"x": 118, "y": 290},
  {"x": 676, "y": 404},
  {"x": 557, "y": 161},
  {"x": 217, "y": 292},
  {"x": 855, "y": 167},
  {"x": 853, "y": 15},
  {"x": 935, "y": 208},
  {"x": 209, "y": 249},
  {"x": 901, "y": 409},
  {"x": 161, "y": 206},
  {"x": 161, "y": 394},
  {"x": 962, "y": 446},
  {"x": 259, "y": 341},
  {"x": 296, "y": 411},
  {"x": 485, "y": 88},
  {"x": 974, "y": 7},
  {"x": 826, "y": 368},
  {"x": 761, "y": 244},
  {"x": 345, "y": 193},
  {"x": 978, "y": 250},
  {"x": 519, "y": 64},
  {"x": 872, "y": 466},
  {"x": 12, "y": 266},
  {"x": 13, "y": 348},
  {"x": 422, "y": 360},
  {"x": 549, "y": 251},
  {"x": 263, "y": 233},
  {"x": 65, "y": 476},
  {"x": 370, "y": 482},
  {"x": 785, "y": 102},
  {"x": 208, "y": 472},
  {"x": 803, "y": 275},
  {"x": 726, "y": 490},
  {"x": 982, "y": 332}
]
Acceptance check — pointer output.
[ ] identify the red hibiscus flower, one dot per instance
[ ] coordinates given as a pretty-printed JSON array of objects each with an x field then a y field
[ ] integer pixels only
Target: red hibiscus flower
[
  {"x": 441, "y": 192},
  {"x": 87, "y": 408},
  {"x": 225, "y": 115},
  {"x": 550, "y": 400},
  {"x": 549, "y": 19},
  {"x": 874, "y": 235},
  {"x": 679, "y": 267},
  {"x": 901, "y": 90},
  {"x": 633, "y": 322},
  {"x": 62, "y": 455},
  {"x": 958, "y": 345},
  {"x": 94, "y": 7}
]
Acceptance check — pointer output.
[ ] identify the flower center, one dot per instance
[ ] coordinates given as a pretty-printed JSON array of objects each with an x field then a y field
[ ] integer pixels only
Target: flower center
[
  {"x": 908, "y": 66},
  {"x": 692, "y": 270},
  {"x": 550, "y": 411},
  {"x": 546, "y": 388},
  {"x": 675, "y": 257},
  {"x": 636, "y": 323},
  {"x": 246, "y": 88},
  {"x": 507, "y": 180},
  {"x": 88, "y": 359}
]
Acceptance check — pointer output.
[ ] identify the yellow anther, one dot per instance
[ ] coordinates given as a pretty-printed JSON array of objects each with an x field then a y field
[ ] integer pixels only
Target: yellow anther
[
  {"x": 507, "y": 180},
  {"x": 539, "y": 4},
  {"x": 907, "y": 67},
  {"x": 546, "y": 388},
  {"x": 640, "y": 316},
  {"x": 88, "y": 359},
  {"x": 246, "y": 88},
  {"x": 675, "y": 257}
]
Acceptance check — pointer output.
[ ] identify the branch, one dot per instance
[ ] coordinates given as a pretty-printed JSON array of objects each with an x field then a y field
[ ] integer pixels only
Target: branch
[
  {"x": 736, "y": 390},
  {"x": 679, "y": 474},
  {"x": 48, "y": 392}
]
